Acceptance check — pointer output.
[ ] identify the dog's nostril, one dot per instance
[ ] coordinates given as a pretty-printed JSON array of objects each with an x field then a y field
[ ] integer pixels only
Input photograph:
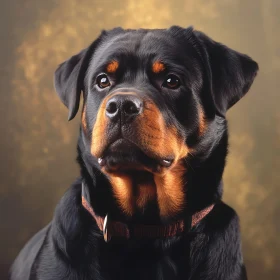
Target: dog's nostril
[
  {"x": 111, "y": 108},
  {"x": 131, "y": 108}
]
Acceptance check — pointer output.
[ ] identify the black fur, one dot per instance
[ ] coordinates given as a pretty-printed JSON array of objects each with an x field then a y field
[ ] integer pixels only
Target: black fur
[{"x": 212, "y": 75}]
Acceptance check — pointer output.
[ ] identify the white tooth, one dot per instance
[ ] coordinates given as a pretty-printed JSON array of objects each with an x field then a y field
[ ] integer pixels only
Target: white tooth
[
  {"x": 100, "y": 160},
  {"x": 166, "y": 162}
]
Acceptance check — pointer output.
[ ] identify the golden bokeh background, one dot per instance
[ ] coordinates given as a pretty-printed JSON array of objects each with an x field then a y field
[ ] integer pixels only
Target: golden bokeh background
[{"x": 38, "y": 145}]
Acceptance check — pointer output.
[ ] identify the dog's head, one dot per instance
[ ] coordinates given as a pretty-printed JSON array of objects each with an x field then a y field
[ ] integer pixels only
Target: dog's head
[{"x": 152, "y": 100}]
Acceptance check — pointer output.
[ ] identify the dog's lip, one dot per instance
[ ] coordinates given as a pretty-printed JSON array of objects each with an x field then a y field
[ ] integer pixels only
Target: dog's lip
[
  {"x": 121, "y": 143},
  {"x": 125, "y": 145}
]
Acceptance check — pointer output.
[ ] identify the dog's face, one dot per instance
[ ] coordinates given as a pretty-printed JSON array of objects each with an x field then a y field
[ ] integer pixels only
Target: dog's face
[{"x": 151, "y": 98}]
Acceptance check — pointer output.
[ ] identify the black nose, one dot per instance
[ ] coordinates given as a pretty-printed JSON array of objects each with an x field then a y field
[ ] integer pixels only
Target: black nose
[{"x": 124, "y": 106}]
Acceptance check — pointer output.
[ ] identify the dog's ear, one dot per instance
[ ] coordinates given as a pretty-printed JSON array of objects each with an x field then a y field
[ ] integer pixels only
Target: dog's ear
[
  {"x": 230, "y": 73},
  {"x": 69, "y": 77}
]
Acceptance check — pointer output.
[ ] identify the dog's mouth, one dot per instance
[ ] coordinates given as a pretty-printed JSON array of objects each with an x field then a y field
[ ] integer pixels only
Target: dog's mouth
[{"x": 125, "y": 156}]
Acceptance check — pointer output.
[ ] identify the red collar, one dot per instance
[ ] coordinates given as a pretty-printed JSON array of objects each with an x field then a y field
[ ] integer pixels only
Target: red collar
[{"x": 118, "y": 229}]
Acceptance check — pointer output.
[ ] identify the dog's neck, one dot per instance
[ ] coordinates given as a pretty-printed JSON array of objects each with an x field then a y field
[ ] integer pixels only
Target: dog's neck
[{"x": 120, "y": 230}]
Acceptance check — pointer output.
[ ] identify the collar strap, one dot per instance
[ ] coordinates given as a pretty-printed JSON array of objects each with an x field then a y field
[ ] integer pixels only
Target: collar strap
[{"x": 118, "y": 229}]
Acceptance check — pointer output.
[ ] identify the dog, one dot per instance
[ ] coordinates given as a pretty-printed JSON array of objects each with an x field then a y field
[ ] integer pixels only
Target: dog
[{"x": 152, "y": 149}]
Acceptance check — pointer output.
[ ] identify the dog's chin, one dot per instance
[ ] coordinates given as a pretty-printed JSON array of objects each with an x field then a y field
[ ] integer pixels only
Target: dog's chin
[{"x": 123, "y": 156}]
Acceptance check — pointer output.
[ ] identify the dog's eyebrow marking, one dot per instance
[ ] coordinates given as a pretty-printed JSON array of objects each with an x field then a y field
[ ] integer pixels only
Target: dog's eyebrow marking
[
  {"x": 112, "y": 66},
  {"x": 158, "y": 67}
]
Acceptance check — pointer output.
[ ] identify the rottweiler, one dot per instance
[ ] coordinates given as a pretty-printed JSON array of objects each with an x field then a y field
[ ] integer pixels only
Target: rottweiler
[{"x": 152, "y": 149}]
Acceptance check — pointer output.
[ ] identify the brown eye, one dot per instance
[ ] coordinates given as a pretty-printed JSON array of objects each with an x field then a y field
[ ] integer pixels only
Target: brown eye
[
  {"x": 172, "y": 82},
  {"x": 103, "y": 81}
]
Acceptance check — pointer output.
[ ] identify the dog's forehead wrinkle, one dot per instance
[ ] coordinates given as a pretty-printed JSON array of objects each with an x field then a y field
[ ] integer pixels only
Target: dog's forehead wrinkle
[
  {"x": 127, "y": 42},
  {"x": 133, "y": 42},
  {"x": 152, "y": 44},
  {"x": 108, "y": 46}
]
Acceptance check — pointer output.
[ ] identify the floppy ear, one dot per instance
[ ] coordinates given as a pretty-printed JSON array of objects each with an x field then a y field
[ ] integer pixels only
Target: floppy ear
[
  {"x": 69, "y": 78},
  {"x": 230, "y": 73}
]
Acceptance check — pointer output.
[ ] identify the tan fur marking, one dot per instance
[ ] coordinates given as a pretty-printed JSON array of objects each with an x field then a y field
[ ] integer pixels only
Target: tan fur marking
[
  {"x": 202, "y": 121},
  {"x": 122, "y": 188},
  {"x": 112, "y": 66},
  {"x": 99, "y": 129},
  {"x": 170, "y": 191},
  {"x": 84, "y": 122},
  {"x": 158, "y": 67},
  {"x": 145, "y": 194},
  {"x": 156, "y": 138}
]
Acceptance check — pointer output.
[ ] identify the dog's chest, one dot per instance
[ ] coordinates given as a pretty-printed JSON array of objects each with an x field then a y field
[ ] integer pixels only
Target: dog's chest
[{"x": 143, "y": 262}]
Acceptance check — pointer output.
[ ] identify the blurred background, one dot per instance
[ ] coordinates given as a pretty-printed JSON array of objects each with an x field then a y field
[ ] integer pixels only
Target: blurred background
[{"x": 38, "y": 144}]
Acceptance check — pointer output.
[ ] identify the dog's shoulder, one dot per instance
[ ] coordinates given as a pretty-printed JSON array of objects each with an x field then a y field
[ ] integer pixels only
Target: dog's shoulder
[
  {"x": 22, "y": 266},
  {"x": 222, "y": 226},
  {"x": 223, "y": 217},
  {"x": 218, "y": 248}
]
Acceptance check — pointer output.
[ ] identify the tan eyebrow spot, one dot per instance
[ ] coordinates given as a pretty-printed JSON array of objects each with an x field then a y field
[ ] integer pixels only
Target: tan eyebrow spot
[
  {"x": 158, "y": 67},
  {"x": 112, "y": 66}
]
